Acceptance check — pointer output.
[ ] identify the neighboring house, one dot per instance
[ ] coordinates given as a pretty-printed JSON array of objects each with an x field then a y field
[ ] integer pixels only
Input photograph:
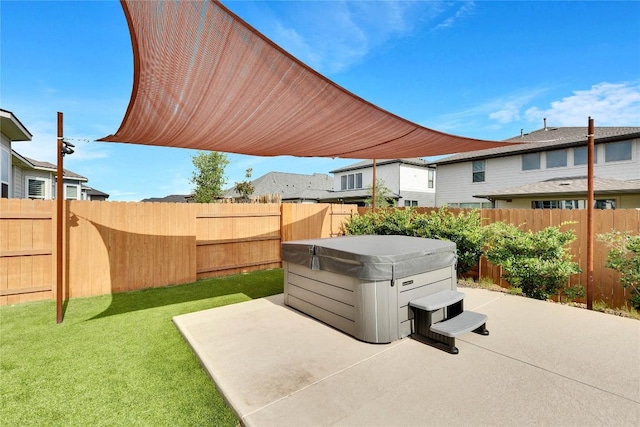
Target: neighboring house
[
  {"x": 547, "y": 170},
  {"x": 93, "y": 194},
  {"x": 33, "y": 179},
  {"x": 10, "y": 130},
  {"x": 22, "y": 177},
  {"x": 290, "y": 187},
  {"x": 411, "y": 182},
  {"x": 173, "y": 198}
]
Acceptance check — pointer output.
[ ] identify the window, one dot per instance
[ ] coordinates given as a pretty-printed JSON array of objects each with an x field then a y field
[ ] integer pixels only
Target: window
[
  {"x": 5, "y": 165},
  {"x": 36, "y": 188},
  {"x": 71, "y": 191},
  {"x": 580, "y": 155},
  {"x": 431, "y": 179},
  {"x": 617, "y": 151},
  {"x": 351, "y": 181},
  {"x": 572, "y": 204},
  {"x": 605, "y": 204},
  {"x": 557, "y": 159},
  {"x": 530, "y": 161},
  {"x": 478, "y": 171},
  {"x": 411, "y": 203}
]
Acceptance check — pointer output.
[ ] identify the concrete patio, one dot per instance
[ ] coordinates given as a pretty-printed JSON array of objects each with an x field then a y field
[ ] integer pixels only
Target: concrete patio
[{"x": 543, "y": 364}]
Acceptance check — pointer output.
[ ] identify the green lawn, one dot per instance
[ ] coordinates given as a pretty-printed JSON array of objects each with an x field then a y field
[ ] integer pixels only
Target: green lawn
[{"x": 116, "y": 359}]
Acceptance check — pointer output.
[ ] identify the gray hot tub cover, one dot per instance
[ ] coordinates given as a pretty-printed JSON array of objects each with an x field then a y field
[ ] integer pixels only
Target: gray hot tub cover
[{"x": 372, "y": 257}]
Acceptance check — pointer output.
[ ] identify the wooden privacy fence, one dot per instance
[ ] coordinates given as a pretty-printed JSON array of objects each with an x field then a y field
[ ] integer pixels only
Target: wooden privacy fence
[
  {"x": 607, "y": 287},
  {"x": 27, "y": 250},
  {"x": 122, "y": 246}
]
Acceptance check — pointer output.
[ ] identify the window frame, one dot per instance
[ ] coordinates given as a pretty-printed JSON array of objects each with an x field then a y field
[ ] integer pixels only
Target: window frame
[
  {"x": 359, "y": 180},
  {"x": 586, "y": 155},
  {"x": 561, "y": 164},
  {"x": 618, "y": 144},
  {"x": 431, "y": 178},
  {"x": 525, "y": 156},
  {"x": 480, "y": 174},
  {"x": 28, "y": 194},
  {"x": 66, "y": 191},
  {"x": 5, "y": 156}
]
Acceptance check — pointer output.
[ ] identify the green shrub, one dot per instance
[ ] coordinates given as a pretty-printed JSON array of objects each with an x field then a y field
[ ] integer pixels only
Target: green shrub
[
  {"x": 464, "y": 229},
  {"x": 359, "y": 225},
  {"x": 624, "y": 257},
  {"x": 538, "y": 263}
]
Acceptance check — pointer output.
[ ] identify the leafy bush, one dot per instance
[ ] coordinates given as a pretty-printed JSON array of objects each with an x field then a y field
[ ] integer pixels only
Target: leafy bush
[
  {"x": 465, "y": 229},
  {"x": 536, "y": 262},
  {"x": 624, "y": 257}
]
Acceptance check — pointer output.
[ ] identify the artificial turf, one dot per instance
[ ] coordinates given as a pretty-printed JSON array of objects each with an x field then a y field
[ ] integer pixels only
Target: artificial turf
[{"x": 116, "y": 359}]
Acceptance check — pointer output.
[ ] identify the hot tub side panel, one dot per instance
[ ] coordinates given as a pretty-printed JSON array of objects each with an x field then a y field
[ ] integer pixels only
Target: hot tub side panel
[{"x": 326, "y": 296}]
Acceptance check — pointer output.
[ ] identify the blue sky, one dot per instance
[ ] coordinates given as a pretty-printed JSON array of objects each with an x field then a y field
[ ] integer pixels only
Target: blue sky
[{"x": 482, "y": 69}]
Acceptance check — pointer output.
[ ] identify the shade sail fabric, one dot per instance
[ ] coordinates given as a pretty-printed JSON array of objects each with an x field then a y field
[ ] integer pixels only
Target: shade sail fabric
[{"x": 204, "y": 79}]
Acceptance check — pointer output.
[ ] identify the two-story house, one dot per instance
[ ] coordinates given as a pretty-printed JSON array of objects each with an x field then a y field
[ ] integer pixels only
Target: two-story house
[
  {"x": 548, "y": 170},
  {"x": 411, "y": 182},
  {"x": 22, "y": 177}
]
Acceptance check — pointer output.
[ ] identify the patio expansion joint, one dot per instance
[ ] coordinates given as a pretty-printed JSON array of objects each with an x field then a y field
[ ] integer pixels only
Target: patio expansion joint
[
  {"x": 553, "y": 372},
  {"x": 333, "y": 374}
]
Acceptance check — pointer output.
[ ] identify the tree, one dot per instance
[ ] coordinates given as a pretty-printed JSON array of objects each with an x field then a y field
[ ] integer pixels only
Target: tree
[
  {"x": 209, "y": 176},
  {"x": 383, "y": 194},
  {"x": 245, "y": 188}
]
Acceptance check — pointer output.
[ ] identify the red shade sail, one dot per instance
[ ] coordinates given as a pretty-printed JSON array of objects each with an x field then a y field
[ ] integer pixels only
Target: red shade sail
[{"x": 205, "y": 79}]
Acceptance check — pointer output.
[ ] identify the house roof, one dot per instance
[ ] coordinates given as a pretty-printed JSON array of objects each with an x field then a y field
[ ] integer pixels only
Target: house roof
[
  {"x": 220, "y": 85},
  {"x": 567, "y": 186},
  {"x": 416, "y": 161},
  {"x": 46, "y": 166},
  {"x": 12, "y": 127},
  {"x": 173, "y": 198},
  {"x": 346, "y": 195},
  {"x": 289, "y": 185},
  {"x": 93, "y": 192},
  {"x": 545, "y": 139}
]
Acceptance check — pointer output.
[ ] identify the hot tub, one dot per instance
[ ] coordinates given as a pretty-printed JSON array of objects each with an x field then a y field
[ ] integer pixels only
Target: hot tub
[{"x": 362, "y": 285}]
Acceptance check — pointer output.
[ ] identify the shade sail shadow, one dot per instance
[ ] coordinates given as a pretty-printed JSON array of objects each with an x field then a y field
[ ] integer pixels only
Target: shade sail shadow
[
  {"x": 155, "y": 263},
  {"x": 244, "y": 287}
]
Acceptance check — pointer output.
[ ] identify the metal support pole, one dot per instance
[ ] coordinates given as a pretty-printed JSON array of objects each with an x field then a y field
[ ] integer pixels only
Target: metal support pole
[
  {"x": 59, "y": 222},
  {"x": 373, "y": 187},
  {"x": 590, "y": 203}
]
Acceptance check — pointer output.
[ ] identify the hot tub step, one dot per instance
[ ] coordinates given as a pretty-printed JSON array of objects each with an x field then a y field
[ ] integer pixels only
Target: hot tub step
[
  {"x": 437, "y": 301},
  {"x": 466, "y": 321}
]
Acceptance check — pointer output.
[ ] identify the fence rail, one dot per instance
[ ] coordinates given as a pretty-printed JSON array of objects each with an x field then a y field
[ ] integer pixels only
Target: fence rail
[{"x": 122, "y": 246}]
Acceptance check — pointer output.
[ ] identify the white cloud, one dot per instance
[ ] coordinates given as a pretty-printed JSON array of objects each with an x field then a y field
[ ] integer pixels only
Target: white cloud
[
  {"x": 505, "y": 109},
  {"x": 461, "y": 13},
  {"x": 332, "y": 36},
  {"x": 609, "y": 104},
  {"x": 508, "y": 114}
]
